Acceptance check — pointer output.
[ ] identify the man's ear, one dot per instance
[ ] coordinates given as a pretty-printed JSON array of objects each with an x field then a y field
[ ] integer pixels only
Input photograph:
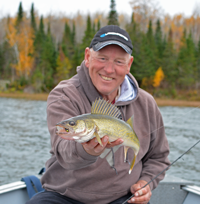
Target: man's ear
[
  {"x": 130, "y": 63},
  {"x": 87, "y": 56}
]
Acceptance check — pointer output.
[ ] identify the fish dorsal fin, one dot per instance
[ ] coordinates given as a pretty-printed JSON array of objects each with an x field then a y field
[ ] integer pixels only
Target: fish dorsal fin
[{"x": 103, "y": 107}]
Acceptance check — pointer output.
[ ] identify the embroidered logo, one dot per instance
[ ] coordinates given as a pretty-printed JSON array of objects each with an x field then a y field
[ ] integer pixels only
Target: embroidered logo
[{"x": 113, "y": 33}]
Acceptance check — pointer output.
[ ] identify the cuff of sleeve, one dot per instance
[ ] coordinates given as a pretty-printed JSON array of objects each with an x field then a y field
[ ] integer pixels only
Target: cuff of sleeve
[
  {"x": 83, "y": 154},
  {"x": 147, "y": 179}
]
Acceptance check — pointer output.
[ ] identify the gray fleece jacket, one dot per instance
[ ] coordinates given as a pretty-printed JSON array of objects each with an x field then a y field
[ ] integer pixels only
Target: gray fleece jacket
[{"x": 74, "y": 173}]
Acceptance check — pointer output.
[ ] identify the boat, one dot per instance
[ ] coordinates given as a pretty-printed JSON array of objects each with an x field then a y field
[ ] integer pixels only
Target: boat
[{"x": 171, "y": 190}]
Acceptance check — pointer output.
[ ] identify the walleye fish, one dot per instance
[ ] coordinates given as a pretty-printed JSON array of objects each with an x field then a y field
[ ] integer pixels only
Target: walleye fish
[{"x": 103, "y": 120}]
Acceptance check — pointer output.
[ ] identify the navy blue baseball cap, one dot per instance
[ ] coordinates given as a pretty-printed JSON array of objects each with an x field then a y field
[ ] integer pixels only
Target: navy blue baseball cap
[{"x": 112, "y": 34}]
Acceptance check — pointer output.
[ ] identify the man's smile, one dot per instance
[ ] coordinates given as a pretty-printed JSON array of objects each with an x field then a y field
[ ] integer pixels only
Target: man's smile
[{"x": 106, "y": 78}]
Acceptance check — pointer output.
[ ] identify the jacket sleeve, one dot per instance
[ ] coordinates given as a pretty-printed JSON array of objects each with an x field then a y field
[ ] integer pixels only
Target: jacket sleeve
[
  {"x": 156, "y": 158},
  {"x": 70, "y": 154}
]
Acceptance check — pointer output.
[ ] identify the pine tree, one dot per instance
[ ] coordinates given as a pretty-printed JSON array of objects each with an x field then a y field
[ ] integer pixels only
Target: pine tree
[
  {"x": 113, "y": 16},
  {"x": 198, "y": 67},
  {"x": 33, "y": 23},
  {"x": 87, "y": 38},
  {"x": 186, "y": 62},
  {"x": 1, "y": 62},
  {"x": 159, "y": 43},
  {"x": 73, "y": 34},
  {"x": 169, "y": 62},
  {"x": 150, "y": 50},
  {"x": 39, "y": 40},
  {"x": 135, "y": 34},
  {"x": 20, "y": 14},
  {"x": 98, "y": 25},
  {"x": 48, "y": 61},
  {"x": 67, "y": 41}
]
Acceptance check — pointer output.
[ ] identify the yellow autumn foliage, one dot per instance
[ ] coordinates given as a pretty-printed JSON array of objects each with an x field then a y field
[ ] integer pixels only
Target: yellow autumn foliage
[
  {"x": 21, "y": 40},
  {"x": 159, "y": 76},
  {"x": 63, "y": 67}
]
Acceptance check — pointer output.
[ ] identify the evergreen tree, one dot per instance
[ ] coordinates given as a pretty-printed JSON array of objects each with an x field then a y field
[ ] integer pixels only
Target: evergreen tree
[
  {"x": 169, "y": 63},
  {"x": 39, "y": 40},
  {"x": 73, "y": 34},
  {"x": 98, "y": 25},
  {"x": 48, "y": 60},
  {"x": 87, "y": 38},
  {"x": 69, "y": 48},
  {"x": 159, "y": 43},
  {"x": 20, "y": 14},
  {"x": 33, "y": 23},
  {"x": 67, "y": 41},
  {"x": 135, "y": 34},
  {"x": 198, "y": 66},
  {"x": 150, "y": 50},
  {"x": 186, "y": 62},
  {"x": 93, "y": 28},
  {"x": 113, "y": 16},
  {"x": 1, "y": 62}
]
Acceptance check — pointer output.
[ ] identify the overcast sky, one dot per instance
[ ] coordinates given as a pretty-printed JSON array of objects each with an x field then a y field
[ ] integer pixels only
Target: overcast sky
[{"x": 68, "y": 7}]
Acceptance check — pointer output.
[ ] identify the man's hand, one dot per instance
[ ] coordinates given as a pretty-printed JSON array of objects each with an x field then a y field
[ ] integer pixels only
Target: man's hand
[
  {"x": 142, "y": 195},
  {"x": 92, "y": 147}
]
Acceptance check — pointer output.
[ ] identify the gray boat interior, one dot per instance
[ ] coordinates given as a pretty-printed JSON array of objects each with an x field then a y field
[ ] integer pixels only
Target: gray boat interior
[{"x": 171, "y": 190}]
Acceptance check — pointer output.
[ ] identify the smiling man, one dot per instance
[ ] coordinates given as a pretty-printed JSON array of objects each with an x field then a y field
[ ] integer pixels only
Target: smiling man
[
  {"x": 89, "y": 172},
  {"x": 108, "y": 68}
]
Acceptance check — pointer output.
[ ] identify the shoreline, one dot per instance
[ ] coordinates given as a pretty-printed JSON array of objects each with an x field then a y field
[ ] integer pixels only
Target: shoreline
[{"x": 159, "y": 101}]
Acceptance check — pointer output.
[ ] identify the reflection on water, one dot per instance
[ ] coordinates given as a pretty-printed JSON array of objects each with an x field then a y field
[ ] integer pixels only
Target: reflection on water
[{"x": 25, "y": 140}]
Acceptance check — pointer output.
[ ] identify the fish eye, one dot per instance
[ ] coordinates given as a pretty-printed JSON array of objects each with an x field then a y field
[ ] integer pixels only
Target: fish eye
[
  {"x": 66, "y": 129},
  {"x": 72, "y": 123}
]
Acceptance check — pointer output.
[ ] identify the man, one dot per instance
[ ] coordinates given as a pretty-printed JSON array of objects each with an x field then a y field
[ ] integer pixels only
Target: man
[{"x": 84, "y": 173}]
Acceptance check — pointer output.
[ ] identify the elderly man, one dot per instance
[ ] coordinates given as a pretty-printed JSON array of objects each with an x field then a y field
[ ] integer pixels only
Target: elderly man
[{"x": 82, "y": 172}]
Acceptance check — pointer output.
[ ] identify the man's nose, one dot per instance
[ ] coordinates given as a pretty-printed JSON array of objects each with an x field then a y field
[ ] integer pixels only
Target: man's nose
[{"x": 109, "y": 67}]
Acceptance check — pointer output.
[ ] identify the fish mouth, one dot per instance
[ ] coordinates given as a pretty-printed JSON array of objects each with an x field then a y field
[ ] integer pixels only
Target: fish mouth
[
  {"x": 106, "y": 78},
  {"x": 67, "y": 136}
]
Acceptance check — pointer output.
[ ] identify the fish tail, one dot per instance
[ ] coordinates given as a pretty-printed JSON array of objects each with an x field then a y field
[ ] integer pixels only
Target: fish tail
[{"x": 132, "y": 164}]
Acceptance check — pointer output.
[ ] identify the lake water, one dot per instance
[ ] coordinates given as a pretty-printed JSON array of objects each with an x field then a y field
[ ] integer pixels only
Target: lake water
[{"x": 25, "y": 140}]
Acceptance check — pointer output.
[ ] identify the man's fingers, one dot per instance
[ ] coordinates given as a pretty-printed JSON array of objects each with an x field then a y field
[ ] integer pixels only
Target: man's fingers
[
  {"x": 90, "y": 144},
  {"x": 139, "y": 193},
  {"x": 142, "y": 194},
  {"x": 93, "y": 147},
  {"x": 98, "y": 148},
  {"x": 140, "y": 200},
  {"x": 114, "y": 143}
]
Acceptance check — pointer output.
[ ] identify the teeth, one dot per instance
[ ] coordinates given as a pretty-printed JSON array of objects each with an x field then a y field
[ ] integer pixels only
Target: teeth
[{"x": 106, "y": 78}]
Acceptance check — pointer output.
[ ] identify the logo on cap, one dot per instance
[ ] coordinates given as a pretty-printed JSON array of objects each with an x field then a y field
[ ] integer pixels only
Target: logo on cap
[{"x": 113, "y": 33}]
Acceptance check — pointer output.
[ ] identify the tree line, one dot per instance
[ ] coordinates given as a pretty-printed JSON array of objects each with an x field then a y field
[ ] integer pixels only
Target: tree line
[{"x": 36, "y": 53}]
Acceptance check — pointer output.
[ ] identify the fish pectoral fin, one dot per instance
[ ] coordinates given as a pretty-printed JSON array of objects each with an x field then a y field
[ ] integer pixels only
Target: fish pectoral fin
[
  {"x": 98, "y": 138},
  {"x": 125, "y": 152},
  {"x": 132, "y": 164}
]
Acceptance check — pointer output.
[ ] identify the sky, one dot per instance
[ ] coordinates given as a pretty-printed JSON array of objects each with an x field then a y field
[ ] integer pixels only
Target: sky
[{"x": 70, "y": 7}]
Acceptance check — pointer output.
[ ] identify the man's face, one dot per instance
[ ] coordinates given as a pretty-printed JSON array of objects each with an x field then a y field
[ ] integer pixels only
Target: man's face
[{"x": 107, "y": 69}]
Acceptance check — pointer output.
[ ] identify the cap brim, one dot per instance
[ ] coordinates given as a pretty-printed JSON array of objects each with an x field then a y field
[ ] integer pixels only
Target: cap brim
[{"x": 100, "y": 45}]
